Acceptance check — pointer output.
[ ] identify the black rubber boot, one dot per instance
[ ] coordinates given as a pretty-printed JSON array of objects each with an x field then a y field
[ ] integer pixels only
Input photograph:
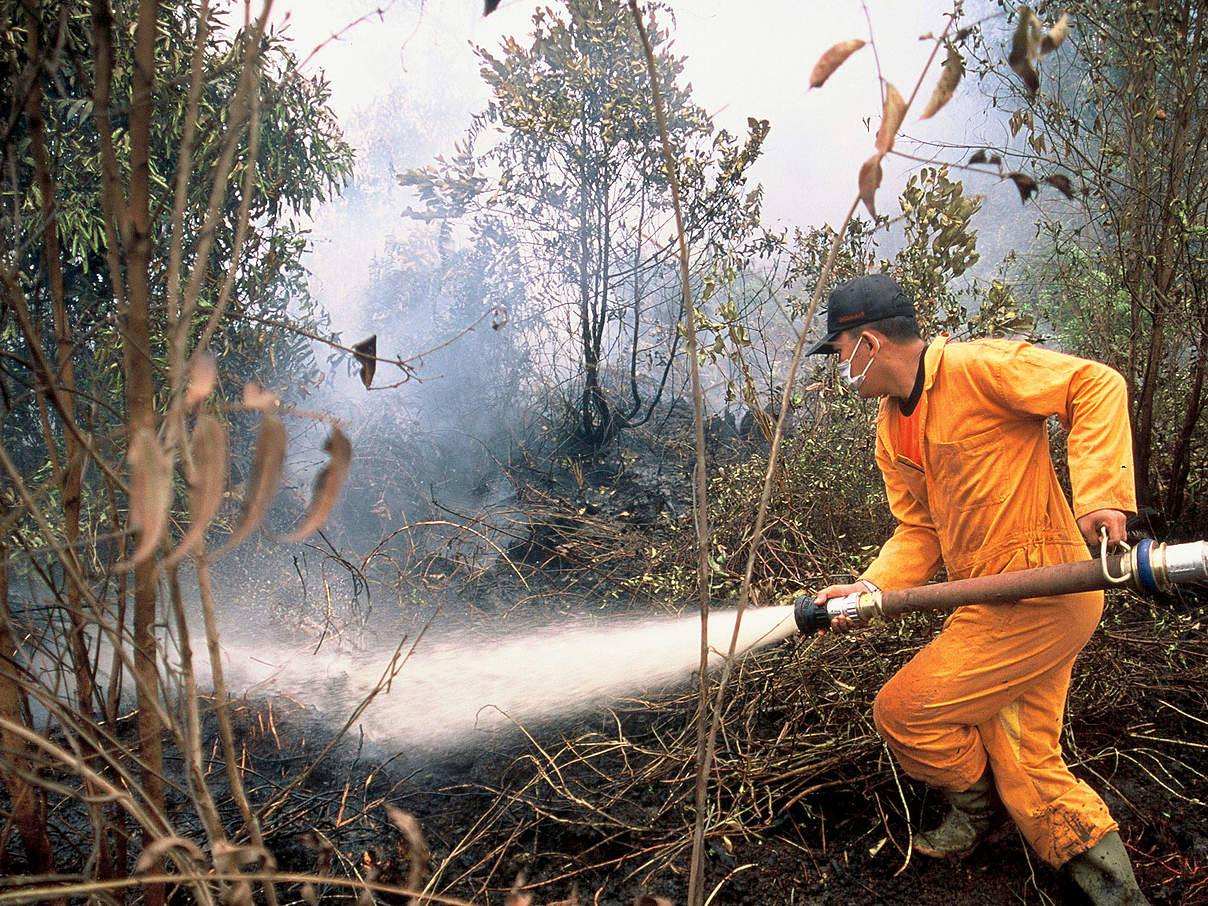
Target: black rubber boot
[
  {"x": 1105, "y": 874},
  {"x": 974, "y": 813}
]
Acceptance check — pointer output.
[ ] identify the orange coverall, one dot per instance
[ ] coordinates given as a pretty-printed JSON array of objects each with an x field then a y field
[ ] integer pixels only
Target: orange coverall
[{"x": 992, "y": 686}]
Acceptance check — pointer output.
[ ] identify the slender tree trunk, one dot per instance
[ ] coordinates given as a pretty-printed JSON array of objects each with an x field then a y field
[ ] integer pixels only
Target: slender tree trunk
[
  {"x": 70, "y": 476},
  {"x": 140, "y": 399},
  {"x": 27, "y": 802}
]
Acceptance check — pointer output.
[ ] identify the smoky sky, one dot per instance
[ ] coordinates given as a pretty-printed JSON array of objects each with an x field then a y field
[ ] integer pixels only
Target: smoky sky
[{"x": 405, "y": 84}]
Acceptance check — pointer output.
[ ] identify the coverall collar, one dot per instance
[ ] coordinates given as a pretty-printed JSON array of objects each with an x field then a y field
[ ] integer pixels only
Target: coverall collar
[{"x": 932, "y": 356}]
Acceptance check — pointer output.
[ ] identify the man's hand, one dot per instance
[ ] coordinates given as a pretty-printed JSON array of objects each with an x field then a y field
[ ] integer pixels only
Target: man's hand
[
  {"x": 839, "y": 623},
  {"x": 1113, "y": 520}
]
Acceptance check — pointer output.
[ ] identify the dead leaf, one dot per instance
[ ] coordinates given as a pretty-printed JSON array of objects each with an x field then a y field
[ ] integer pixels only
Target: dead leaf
[
  {"x": 210, "y": 448},
  {"x": 1025, "y": 184},
  {"x": 150, "y": 493},
  {"x": 1061, "y": 183},
  {"x": 1055, "y": 35},
  {"x": 892, "y": 114},
  {"x": 266, "y": 474},
  {"x": 515, "y": 896},
  {"x": 155, "y": 850},
  {"x": 328, "y": 486},
  {"x": 366, "y": 354},
  {"x": 870, "y": 181},
  {"x": 499, "y": 317},
  {"x": 256, "y": 397},
  {"x": 954, "y": 68},
  {"x": 652, "y": 901},
  {"x": 309, "y": 894},
  {"x": 832, "y": 60},
  {"x": 1027, "y": 73},
  {"x": 1159, "y": 114},
  {"x": 1023, "y": 49},
  {"x": 417, "y": 846},
  {"x": 979, "y": 157},
  {"x": 489, "y": 6},
  {"x": 203, "y": 377}
]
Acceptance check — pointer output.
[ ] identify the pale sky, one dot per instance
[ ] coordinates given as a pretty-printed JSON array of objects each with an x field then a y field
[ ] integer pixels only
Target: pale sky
[{"x": 743, "y": 59}]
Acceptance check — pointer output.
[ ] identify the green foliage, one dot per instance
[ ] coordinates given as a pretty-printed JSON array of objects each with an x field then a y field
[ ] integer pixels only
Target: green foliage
[
  {"x": 941, "y": 247},
  {"x": 827, "y": 500},
  {"x": 302, "y": 160}
]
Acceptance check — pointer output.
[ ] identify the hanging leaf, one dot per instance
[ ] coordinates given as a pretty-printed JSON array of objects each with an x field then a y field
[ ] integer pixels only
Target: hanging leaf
[
  {"x": 417, "y": 846},
  {"x": 366, "y": 354},
  {"x": 1027, "y": 73},
  {"x": 832, "y": 60},
  {"x": 256, "y": 397},
  {"x": 203, "y": 377},
  {"x": 266, "y": 474},
  {"x": 870, "y": 181},
  {"x": 954, "y": 68},
  {"x": 1061, "y": 183},
  {"x": 1055, "y": 35},
  {"x": 981, "y": 157},
  {"x": 150, "y": 494},
  {"x": 1023, "y": 49},
  {"x": 327, "y": 486},
  {"x": 156, "y": 849},
  {"x": 499, "y": 317},
  {"x": 892, "y": 114},
  {"x": 211, "y": 455},
  {"x": 1025, "y": 184}
]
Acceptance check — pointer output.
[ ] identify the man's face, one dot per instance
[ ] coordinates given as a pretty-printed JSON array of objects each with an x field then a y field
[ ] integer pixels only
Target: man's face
[{"x": 857, "y": 347}]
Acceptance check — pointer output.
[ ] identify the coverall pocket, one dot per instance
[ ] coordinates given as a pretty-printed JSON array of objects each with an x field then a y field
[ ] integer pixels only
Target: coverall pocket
[{"x": 977, "y": 470}]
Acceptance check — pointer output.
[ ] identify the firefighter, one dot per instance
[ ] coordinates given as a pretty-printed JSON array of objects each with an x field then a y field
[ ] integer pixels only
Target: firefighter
[{"x": 963, "y": 445}]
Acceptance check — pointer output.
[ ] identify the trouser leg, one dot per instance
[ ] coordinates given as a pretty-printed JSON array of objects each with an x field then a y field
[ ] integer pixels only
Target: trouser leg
[{"x": 990, "y": 689}]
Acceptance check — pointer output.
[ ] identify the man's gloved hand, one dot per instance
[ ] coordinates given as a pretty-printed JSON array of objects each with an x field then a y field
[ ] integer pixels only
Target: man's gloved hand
[{"x": 1113, "y": 520}]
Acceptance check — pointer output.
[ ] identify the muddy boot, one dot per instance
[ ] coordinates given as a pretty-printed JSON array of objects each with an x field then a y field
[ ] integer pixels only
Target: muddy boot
[
  {"x": 1105, "y": 874},
  {"x": 974, "y": 812}
]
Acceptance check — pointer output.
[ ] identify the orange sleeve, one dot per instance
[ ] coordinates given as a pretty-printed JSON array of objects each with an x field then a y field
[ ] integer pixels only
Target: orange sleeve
[
  {"x": 911, "y": 556},
  {"x": 1090, "y": 399}
]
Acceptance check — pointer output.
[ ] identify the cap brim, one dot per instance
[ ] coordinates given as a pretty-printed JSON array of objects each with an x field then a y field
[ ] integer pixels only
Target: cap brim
[{"x": 823, "y": 346}]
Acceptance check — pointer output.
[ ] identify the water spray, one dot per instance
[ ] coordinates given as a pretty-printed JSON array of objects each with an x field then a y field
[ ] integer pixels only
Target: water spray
[{"x": 1150, "y": 568}]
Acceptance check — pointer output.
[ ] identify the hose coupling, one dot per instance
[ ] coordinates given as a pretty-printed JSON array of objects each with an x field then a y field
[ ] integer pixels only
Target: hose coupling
[{"x": 1156, "y": 567}]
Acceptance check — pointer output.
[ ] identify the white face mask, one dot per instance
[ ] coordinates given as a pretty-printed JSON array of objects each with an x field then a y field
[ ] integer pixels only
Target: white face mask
[{"x": 854, "y": 381}]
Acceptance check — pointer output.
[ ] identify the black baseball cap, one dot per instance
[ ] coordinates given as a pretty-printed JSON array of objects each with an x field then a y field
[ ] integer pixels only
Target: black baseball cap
[{"x": 873, "y": 297}]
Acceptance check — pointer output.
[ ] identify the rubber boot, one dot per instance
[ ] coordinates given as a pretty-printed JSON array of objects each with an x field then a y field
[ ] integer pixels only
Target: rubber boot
[
  {"x": 1105, "y": 874},
  {"x": 974, "y": 812}
]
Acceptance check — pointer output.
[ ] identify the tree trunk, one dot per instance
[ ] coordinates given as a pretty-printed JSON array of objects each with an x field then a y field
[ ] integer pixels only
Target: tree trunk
[
  {"x": 141, "y": 403},
  {"x": 27, "y": 802}
]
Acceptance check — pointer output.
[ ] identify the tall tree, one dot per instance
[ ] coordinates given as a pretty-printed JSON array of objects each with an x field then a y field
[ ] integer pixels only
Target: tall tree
[{"x": 575, "y": 180}]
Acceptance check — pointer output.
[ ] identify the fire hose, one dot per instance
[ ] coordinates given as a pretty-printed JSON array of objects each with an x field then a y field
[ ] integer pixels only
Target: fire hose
[{"x": 1149, "y": 567}]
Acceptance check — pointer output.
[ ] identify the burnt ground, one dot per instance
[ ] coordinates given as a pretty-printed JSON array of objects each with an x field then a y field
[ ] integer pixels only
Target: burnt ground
[{"x": 601, "y": 810}]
